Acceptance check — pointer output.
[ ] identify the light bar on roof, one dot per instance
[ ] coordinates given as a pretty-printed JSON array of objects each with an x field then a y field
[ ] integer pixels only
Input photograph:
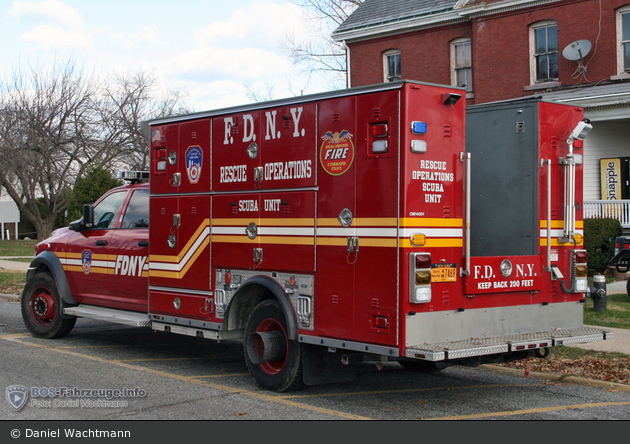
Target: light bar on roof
[{"x": 131, "y": 175}]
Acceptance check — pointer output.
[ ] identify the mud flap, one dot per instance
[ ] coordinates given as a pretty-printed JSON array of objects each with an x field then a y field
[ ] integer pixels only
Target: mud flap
[{"x": 323, "y": 367}]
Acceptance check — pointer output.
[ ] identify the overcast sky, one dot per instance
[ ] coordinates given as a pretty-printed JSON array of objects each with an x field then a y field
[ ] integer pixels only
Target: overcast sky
[{"x": 208, "y": 48}]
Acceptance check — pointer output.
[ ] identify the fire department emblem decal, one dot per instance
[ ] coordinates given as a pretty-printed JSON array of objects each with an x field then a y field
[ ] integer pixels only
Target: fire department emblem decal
[
  {"x": 86, "y": 261},
  {"x": 194, "y": 156},
  {"x": 337, "y": 152},
  {"x": 17, "y": 395}
]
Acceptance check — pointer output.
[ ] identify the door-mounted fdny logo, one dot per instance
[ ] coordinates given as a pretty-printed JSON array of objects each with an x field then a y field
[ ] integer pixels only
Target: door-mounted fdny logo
[
  {"x": 337, "y": 152},
  {"x": 17, "y": 395},
  {"x": 194, "y": 156},
  {"x": 86, "y": 260}
]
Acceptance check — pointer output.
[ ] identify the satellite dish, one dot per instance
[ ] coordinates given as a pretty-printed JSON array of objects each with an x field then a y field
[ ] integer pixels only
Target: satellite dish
[{"x": 576, "y": 50}]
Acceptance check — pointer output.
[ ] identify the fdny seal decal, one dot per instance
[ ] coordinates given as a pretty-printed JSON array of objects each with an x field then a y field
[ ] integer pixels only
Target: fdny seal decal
[
  {"x": 194, "y": 156},
  {"x": 337, "y": 152},
  {"x": 86, "y": 260}
]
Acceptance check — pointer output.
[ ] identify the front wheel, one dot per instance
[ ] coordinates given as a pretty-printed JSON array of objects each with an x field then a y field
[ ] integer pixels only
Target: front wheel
[
  {"x": 41, "y": 308},
  {"x": 273, "y": 360}
]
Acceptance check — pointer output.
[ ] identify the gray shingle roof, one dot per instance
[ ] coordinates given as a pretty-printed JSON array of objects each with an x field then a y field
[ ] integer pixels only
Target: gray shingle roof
[
  {"x": 376, "y": 12},
  {"x": 587, "y": 92},
  {"x": 612, "y": 99}
]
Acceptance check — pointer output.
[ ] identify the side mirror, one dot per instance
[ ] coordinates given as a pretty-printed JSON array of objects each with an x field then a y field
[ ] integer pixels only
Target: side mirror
[
  {"x": 88, "y": 215},
  {"x": 87, "y": 221}
]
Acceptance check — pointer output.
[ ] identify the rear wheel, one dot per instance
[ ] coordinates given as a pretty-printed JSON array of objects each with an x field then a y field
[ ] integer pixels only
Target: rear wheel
[
  {"x": 274, "y": 361},
  {"x": 41, "y": 308}
]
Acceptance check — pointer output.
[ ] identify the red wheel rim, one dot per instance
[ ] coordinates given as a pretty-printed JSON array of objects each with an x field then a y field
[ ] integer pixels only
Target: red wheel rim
[
  {"x": 43, "y": 307},
  {"x": 273, "y": 367}
]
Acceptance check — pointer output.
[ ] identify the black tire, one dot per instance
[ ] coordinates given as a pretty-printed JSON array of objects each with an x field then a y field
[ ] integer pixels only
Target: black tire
[
  {"x": 417, "y": 365},
  {"x": 283, "y": 374},
  {"x": 628, "y": 286},
  {"x": 541, "y": 353},
  {"x": 41, "y": 308}
]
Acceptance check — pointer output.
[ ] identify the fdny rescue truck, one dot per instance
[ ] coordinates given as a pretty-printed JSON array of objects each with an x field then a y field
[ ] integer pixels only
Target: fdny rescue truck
[{"x": 364, "y": 224}]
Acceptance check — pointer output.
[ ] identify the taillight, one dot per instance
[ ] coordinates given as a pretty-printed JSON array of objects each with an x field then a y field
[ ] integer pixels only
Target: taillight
[
  {"x": 420, "y": 278},
  {"x": 423, "y": 277},
  {"x": 423, "y": 261},
  {"x": 581, "y": 256},
  {"x": 581, "y": 271}
]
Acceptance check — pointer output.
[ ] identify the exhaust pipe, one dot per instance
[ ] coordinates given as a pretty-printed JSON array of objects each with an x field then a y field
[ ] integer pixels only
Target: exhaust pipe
[{"x": 266, "y": 346}]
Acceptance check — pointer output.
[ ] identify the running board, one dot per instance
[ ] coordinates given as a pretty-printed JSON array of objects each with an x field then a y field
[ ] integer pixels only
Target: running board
[
  {"x": 188, "y": 331},
  {"x": 124, "y": 317},
  {"x": 506, "y": 344}
]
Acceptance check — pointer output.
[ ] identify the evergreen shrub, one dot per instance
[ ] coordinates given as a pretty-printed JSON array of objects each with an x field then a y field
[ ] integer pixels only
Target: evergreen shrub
[{"x": 599, "y": 242}]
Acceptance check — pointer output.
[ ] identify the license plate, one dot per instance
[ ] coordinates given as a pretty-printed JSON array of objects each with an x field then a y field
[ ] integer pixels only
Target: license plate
[{"x": 443, "y": 272}]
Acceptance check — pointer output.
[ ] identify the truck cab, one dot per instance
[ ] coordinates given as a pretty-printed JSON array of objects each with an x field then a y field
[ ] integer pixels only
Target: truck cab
[{"x": 111, "y": 240}]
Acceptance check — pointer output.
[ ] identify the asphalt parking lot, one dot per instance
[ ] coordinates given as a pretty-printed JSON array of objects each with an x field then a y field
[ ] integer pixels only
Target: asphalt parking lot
[{"x": 185, "y": 378}]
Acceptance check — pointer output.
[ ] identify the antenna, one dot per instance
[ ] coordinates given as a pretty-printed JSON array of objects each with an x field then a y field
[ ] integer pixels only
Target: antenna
[{"x": 577, "y": 50}]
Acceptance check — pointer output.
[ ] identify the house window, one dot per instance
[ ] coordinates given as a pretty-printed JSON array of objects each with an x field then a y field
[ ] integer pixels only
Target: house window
[
  {"x": 461, "y": 63},
  {"x": 623, "y": 39},
  {"x": 544, "y": 46},
  {"x": 391, "y": 65}
]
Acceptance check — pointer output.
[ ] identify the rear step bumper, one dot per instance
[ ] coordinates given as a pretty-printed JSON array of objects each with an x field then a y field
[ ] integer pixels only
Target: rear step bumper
[
  {"x": 506, "y": 344},
  {"x": 134, "y": 319}
]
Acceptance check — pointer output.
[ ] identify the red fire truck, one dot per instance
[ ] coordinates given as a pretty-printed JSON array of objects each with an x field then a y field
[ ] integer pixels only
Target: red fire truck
[{"x": 364, "y": 224}]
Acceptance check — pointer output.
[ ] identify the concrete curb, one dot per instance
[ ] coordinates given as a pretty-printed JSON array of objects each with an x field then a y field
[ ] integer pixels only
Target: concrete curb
[
  {"x": 559, "y": 378},
  {"x": 10, "y": 297}
]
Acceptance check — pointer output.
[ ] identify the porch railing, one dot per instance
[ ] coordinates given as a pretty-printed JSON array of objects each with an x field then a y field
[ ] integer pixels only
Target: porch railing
[{"x": 613, "y": 209}]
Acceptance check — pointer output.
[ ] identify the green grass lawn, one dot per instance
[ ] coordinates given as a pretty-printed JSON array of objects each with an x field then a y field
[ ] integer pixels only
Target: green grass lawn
[
  {"x": 17, "y": 248},
  {"x": 616, "y": 315},
  {"x": 12, "y": 283}
]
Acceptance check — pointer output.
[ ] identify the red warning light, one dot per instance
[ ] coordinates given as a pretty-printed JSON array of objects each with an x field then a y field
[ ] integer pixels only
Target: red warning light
[{"x": 379, "y": 130}]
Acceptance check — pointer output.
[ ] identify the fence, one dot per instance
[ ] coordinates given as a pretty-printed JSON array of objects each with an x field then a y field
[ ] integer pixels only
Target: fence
[{"x": 613, "y": 209}]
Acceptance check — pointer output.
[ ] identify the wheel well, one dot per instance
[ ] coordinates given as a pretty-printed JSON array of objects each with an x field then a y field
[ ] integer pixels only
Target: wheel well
[
  {"x": 243, "y": 303},
  {"x": 252, "y": 293},
  {"x": 48, "y": 262}
]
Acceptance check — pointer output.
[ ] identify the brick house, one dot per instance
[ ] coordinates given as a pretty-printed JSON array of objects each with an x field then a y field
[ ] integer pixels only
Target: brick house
[{"x": 570, "y": 51}]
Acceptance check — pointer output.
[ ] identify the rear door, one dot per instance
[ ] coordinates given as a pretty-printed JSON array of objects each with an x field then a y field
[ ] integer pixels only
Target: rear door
[
  {"x": 376, "y": 266},
  {"x": 334, "y": 307},
  {"x": 504, "y": 221}
]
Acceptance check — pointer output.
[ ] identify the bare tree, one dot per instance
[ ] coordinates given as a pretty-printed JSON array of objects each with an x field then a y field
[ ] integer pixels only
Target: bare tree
[
  {"x": 46, "y": 138},
  {"x": 259, "y": 94},
  {"x": 320, "y": 54},
  {"x": 55, "y": 124},
  {"x": 131, "y": 99}
]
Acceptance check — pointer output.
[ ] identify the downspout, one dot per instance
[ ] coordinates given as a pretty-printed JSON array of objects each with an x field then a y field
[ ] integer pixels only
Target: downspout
[{"x": 348, "y": 77}]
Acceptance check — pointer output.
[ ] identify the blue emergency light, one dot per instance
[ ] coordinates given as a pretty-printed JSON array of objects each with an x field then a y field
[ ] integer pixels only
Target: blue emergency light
[{"x": 419, "y": 127}]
